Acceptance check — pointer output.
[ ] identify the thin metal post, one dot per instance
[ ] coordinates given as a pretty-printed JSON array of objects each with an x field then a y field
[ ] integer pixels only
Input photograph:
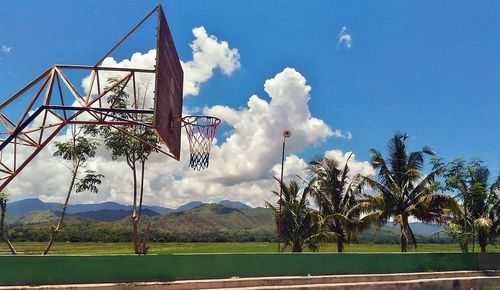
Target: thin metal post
[
  {"x": 286, "y": 134},
  {"x": 281, "y": 193}
]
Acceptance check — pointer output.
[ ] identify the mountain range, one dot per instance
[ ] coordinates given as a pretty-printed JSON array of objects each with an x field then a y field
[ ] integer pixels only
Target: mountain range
[
  {"x": 190, "y": 222},
  {"x": 26, "y": 206}
]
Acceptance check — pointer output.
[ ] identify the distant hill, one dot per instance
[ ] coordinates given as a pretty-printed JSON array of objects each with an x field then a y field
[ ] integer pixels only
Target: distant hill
[
  {"x": 233, "y": 204},
  {"x": 390, "y": 233},
  {"x": 108, "y": 215},
  {"x": 189, "y": 205},
  {"x": 215, "y": 217},
  {"x": 425, "y": 229},
  {"x": 109, "y": 205},
  {"x": 227, "y": 203},
  {"x": 25, "y": 206},
  {"x": 32, "y": 218},
  {"x": 158, "y": 209}
]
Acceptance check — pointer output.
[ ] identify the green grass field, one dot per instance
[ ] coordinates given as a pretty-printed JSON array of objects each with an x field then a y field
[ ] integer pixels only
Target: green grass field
[{"x": 34, "y": 248}]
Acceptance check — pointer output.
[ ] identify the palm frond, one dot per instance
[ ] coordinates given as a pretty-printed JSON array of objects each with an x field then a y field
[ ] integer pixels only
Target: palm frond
[
  {"x": 384, "y": 172},
  {"x": 483, "y": 224}
]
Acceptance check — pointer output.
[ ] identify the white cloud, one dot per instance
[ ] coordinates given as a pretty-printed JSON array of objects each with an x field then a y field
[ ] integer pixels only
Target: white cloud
[
  {"x": 345, "y": 38},
  {"x": 355, "y": 166},
  {"x": 209, "y": 53},
  {"x": 6, "y": 49},
  {"x": 338, "y": 133},
  {"x": 242, "y": 165},
  {"x": 293, "y": 166},
  {"x": 254, "y": 146}
]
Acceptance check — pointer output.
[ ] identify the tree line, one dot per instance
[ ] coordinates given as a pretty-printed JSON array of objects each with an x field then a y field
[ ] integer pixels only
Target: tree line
[
  {"x": 91, "y": 233},
  {"x": 458, "y": 194},
  {"x": 105, "y": 232}
]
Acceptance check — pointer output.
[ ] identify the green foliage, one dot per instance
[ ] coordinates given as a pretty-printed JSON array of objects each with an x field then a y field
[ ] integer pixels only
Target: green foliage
[
  {"x": 479, "y": 215},
  {"x": 4, "y": 196},
  {"x": 335, "y": 191},
  {"x": 119, "y": 98},
  {"x": 126, "y": 141},
  {"x": 456, "y": 232},
  {"x": 80, "y": 149},
  {"x": 298, "y": 224},
  {"x": 89, "y": 182},
  {"x": 135, "y": 144},
  {"x": 404, "y": 191}
]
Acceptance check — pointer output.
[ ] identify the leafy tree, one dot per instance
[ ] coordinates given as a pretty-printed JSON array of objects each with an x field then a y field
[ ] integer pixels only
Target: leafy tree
[
  {"x": 134, "y": 144},
  {"x": 76, "y": 152},
  {"x": 455, "y": 231},
  {"x": 403, "y": 191},
  {"x": 479, "y": 218},
  {"x": 4, "y": 197},
  {"x": 487, "y": 225},
  {"x": 299, "y": 225},
  {"x": 335, "y": 190}
]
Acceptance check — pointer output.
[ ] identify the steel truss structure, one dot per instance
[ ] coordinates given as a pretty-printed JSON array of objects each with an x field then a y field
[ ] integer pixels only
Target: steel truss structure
[{"x": 49, "y": 111}]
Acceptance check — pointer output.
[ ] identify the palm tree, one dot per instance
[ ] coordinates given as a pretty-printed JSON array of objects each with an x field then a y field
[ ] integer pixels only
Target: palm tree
[
  {"x": 485, "y": 209},
  {"x": 479, "y": 213},
  {"x": 3, "y": 233},
  {"x": 403, "y": 191},
  {"x": 335, "y": 190},
  {"x": 298, "y": 225}
]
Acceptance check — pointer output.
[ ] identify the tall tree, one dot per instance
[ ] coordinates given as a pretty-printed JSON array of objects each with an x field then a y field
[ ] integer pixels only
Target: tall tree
[
  {"x": 479, "y": 218},
  {"x": 334, "y": 189},
  {"x": 298, "y": 224},
  {"x": 127, "y": 142},
  {"x": 403, "y": 191},
  {"x": 4, "y": 197},
  {"x": 76, "y": 153},
  {"x": 486, "y": 213}
]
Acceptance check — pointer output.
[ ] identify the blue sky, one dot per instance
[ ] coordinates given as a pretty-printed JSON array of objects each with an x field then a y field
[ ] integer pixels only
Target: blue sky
[{"x": 428, "y": 68}]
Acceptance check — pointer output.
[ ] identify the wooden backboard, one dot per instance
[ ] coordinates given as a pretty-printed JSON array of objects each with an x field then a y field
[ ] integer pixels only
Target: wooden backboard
[{"x": 168, "y": 88}]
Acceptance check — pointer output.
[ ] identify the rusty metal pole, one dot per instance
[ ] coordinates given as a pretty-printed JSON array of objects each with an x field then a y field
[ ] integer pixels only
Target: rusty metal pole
[{"x": 286, "y": 134}]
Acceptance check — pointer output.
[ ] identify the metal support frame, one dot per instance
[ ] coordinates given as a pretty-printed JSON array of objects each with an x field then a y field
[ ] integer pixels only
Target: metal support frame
[
  {"x": 48, "y": 110},
  {"x": 23, "y": 137},
  {"x": 54, "y": 114}
]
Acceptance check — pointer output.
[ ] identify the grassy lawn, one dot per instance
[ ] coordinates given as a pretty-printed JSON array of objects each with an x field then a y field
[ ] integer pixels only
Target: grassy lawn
[{"x": 35, "y": 248}]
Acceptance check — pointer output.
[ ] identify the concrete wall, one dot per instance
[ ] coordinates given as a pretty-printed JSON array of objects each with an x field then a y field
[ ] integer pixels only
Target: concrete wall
[{"x": 36, "y": 270}]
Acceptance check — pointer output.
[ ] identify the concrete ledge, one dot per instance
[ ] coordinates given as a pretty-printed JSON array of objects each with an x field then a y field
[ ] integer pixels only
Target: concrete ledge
[
  {"x": 435, "y": 280},
  {"x": 45, "y": 270},
  {"x": 421, "y": 284}
]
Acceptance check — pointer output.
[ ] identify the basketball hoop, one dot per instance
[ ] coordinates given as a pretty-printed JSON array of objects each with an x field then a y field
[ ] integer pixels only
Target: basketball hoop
[{"x": 201, "y": 132}]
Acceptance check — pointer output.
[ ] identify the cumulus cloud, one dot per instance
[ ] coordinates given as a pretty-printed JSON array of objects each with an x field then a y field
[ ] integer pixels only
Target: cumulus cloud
[
  {"x": 355, "y": 166},
  {"x": 293, "y": 166},
  {"x": 144, "y": 81},
  {"x": 338, "y": 133},
  {"x": 6, "y": 49},
  {"x": 344, "y": 38},
  {"x": 209, "y": 53},
  {"x": 242, "y": 163},
  {"x": 254, "y": 146}
]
